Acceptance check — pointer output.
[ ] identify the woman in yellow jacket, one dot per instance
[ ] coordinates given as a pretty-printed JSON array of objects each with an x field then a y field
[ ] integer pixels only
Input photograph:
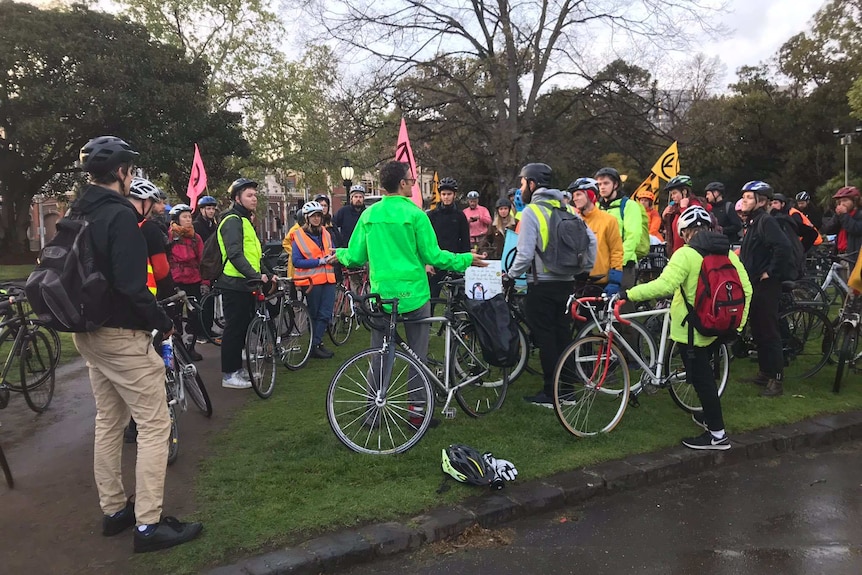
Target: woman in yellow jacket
[
  {"x": 680, "y": 277},
  {"x": 311, "y": 253},
  {"x": 609, "y": 241}
]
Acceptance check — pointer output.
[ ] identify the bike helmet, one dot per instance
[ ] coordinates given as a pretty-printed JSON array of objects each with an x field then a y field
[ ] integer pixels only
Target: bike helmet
[
  {"x": 144, "y": 189},
  {"x": 448, "y": 184},
  {"x": 738, "y": 206},
  {"x": 312, "y": 207},
  {"x": 780, "y": 197},
  {"x": 681, "y": 181},
  {"x": 239, "y": 185},
  {"x": 846, "y": 192},
  {"x": 645, "y": 194},
  {"x": 714, "y": 187},
  {"x": 466, "y": 465},
  {"x": 803, "y": 197},
  {"x": 503, "y": 203},
  {"x": 357, "y": 189},
  {"x": 758, "y": 187},
  {"x": 105, "y": 154},
  {"x": 693, "y": 217},
  {"x": 584, "y": 184},
  {"x": 207, "y": 201},
  {"x": 178, "y": 209},
  {"x": 539, "y": 173},
  {"x": 322, "y": 198},
  {"x": 611, "y": 173},
  {"x": 473, "y": 195}
]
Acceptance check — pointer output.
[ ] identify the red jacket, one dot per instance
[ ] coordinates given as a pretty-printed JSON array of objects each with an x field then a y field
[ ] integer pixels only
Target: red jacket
[{"x": 185, "y": 259}]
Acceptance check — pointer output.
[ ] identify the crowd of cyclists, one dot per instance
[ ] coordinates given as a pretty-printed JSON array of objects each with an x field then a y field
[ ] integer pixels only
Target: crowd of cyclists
[{"x": 147, "y": 255}]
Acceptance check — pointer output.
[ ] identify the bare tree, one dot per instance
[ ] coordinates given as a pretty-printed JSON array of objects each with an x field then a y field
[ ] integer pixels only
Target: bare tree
[{"x": 522, "y": 48}]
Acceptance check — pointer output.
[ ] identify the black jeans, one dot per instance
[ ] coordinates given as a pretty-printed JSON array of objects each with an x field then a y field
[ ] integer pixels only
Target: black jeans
[
  {"x": 238, "y": 307},
  {"x": 550, "y": 324},
  {"x": 194, "y": 327},
  {"x": 763, "y": 317},
  {"x": 699, "y": 374}
]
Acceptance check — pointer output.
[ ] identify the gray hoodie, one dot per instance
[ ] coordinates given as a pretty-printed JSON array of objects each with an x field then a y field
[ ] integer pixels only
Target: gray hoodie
[{"x": 530, "y": 242}]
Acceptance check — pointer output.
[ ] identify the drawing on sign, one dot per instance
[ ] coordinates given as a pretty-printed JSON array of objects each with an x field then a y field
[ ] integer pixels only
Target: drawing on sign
[
  {"x": 668, "y": 166},
  {"x": 402, "y": 154}
]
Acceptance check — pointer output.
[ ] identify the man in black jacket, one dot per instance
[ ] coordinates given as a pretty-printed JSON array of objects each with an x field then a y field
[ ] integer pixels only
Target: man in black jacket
[
  {"x": 345, "y": 219},
  {"x": 765, "y": 253},
  {"x": 451, "y": 227},
  {"x": 725, "y": 215},
  {"x": 127, "y": 375},
  {"x": 205, "y": 222}
]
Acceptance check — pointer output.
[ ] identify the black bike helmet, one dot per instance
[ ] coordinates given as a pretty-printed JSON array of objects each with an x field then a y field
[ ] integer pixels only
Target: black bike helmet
[
  {"x": 539, "y": 173},
  {"x": 803, "y": 197},
  {"x": 780, "y": 197},
  {"x": 448, "y": 184},
  {"x": 239, "y": 185},
  {"x": 105, "y": 154},
  {"x": 714, "y": 187},
  {"x": 466, "y": 465},
  {"x": 503, "y": 203},
  {"x": 611, "y": 173},
  {"x": 677, "y": 182}
]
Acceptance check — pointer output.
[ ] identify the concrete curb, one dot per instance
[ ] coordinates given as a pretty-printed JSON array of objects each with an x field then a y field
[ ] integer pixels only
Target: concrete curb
[{"x": 353, "y": 546}]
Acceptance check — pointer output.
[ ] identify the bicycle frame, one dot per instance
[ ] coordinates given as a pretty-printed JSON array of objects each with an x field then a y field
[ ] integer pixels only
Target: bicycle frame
[{"x": 834, "y": 276}]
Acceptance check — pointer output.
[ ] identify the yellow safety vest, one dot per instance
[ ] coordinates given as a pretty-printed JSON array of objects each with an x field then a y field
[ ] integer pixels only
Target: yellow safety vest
[{"x": 250, "y": 247}]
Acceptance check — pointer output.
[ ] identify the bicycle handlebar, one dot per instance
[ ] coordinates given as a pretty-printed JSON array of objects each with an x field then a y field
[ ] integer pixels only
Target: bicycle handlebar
[
  {"x": 371, "y": 304},
  {"x": 618, "y": 303},
  {"x": 179, "y": 296}
]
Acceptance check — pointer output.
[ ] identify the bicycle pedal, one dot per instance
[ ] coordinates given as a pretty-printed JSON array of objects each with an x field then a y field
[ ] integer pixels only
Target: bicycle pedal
[
  {"x": 449, "y": 413},
  {"x": 633, "y": 401}
]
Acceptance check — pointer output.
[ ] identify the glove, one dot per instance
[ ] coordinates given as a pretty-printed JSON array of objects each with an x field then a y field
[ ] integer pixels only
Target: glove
[
  {"x": 622, "y": 295},
  {"x": 615, "y": 278},
  {"x": 503, "y": 470}
]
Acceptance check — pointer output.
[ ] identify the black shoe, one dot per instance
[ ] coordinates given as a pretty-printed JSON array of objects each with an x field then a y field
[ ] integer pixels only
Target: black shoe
[
  {"x": 706, "y": 441},
  {"x": 119, "y": 521},
  {"x": 325, "y": 351},
  {"x": 320, "y": 352},
  {"x": 195, "y": 356},
  {"x": 169, "y": 532},
  {"x": 541, "y": 398}
]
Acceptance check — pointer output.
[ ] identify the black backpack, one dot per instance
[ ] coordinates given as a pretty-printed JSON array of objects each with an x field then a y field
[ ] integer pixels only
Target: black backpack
[
  {"x": 66, "y": 290},
  {"x": 496, "y": 330},
  {"x": 212, "y": 260},
  {"x": 568, "y": 251},
  {"x": 795, "y": 267}
]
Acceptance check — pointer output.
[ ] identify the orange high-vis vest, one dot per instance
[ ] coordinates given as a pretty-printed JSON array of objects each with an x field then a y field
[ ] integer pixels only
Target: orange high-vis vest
[
  {"x": 808, "y": 223},
  {"x": 318, "y": 275},
  {"x": 151, "y": 276}
]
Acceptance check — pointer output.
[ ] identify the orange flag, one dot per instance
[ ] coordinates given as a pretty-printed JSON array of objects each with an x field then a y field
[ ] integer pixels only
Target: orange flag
[
  {"x": 404, "y": 153},
  {"x": 197, "y": 179}
]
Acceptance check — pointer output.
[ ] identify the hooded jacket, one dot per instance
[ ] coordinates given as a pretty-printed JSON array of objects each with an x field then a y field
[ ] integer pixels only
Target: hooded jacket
[
  {"x": 121, "y": 255},
  {"x": 232, "y": 235},
  {"x": 451, "y": 227},
  {"x": 630, "y": 223},
  {"x": 764, "y": 245},
  {"x": 682, "y": 271}
]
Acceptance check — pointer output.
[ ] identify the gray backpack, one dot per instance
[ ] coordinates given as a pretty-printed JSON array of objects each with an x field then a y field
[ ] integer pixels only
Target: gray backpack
[{"x": 568, "y": 251}]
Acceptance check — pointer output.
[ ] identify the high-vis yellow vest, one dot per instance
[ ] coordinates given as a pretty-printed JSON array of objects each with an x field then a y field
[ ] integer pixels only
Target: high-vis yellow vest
[{"x": 250, "y": 247}]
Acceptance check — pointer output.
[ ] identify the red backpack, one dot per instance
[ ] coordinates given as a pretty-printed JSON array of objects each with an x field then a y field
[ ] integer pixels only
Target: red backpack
[{"x": 719, "y": 301}]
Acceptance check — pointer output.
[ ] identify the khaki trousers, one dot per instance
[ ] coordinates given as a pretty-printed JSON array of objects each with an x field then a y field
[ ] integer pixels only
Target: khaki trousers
[{"x": 128, "y": 378}]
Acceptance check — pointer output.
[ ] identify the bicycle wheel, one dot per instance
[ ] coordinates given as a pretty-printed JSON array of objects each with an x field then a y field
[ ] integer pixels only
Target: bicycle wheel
[
  {"x": 296, "y": 335},
  {"x": 211, "y": 309},
  {"x": 37, "y": 371},
  {"x": 260, "y": 357},
  {"x": 846, "y": 341},
  {"x": 807, "y": 292},
  {"x": 639, "y": 337},
  {"x": 192, "y": 381},
  {"x": 370, "y": 417},
  {"x": 807, "y": 338},
  {"x": 681, "y": 391},
  {"x": 7, "y": 471},
  {"x": 343, "y": 318},
  {"x": 591, "y": 386},
  {"x": 53, "y": 338},
  {"x": 488, "y": 391}
]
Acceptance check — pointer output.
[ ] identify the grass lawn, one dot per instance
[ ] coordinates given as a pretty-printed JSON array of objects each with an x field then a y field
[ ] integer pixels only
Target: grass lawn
[
  {"x": 15, "y": 272},
  {"x": 279, "y": 475}
]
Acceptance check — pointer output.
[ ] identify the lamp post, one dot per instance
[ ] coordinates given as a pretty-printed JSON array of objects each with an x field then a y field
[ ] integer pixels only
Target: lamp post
[
  {"x": 845, "y": 139},
  {"x": 347, "y": 177}
]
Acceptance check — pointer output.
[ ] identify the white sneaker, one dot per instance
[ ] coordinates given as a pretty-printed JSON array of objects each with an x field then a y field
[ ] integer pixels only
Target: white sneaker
[
  {"x": 243, "y": 373},
  {"x": 234, "y": 381}
]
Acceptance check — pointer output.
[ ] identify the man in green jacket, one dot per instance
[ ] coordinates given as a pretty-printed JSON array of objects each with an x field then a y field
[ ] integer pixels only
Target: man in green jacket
[
  {"x": 680, "y": 278},
  {"x": 633, "y": 222},
  {"x": 395, "y": 238}
]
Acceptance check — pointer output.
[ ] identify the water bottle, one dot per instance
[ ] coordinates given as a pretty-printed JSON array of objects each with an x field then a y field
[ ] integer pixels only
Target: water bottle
[{"x": 168, "y": 353}]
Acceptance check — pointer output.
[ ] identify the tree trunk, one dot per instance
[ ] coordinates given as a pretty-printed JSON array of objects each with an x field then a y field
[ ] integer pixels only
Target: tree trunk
[{"x": 14, "y": 221}]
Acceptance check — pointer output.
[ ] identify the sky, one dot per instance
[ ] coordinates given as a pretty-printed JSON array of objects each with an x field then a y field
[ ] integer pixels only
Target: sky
[{"x": 758, "y": 28}]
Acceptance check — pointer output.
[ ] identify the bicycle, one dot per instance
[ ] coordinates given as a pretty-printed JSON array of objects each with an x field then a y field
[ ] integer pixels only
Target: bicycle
[
  {"x": 36, "y": 355},
  {"x": 181, "y": 376},
  {"x": 592, "y": 385},
  {"x": 343, "y": 322},
  {"x": 807, "y": 336},
  {"x": 380, "y": 400},
  {"x": 847, "y": 339},
  {"x": 211, "y": 307},
  {"x": 280, "y": 329}
]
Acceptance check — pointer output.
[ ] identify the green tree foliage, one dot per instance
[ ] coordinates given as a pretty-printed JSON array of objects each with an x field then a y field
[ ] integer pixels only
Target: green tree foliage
[{"x": 71, "y": 74}]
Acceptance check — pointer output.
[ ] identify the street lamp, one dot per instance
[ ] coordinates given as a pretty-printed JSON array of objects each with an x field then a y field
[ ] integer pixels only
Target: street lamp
[
  {"x": 845, "y": 139},
  {"x": 347, "y": 177}
]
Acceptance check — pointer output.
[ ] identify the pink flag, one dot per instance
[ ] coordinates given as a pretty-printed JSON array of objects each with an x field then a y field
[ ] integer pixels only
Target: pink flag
[
  {"x": 197, "y": 179},
  {"x": 404, "y": 153}
]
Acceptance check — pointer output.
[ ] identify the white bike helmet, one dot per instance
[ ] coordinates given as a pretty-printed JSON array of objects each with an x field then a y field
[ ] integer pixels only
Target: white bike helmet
[
  {"x": 144, "y": 189},
  {"x": 473, "y": 195},
  {"x": 693, "y": 216},
  {"x": 178, "y": 209},
  {"x": 311, "y": 207}
]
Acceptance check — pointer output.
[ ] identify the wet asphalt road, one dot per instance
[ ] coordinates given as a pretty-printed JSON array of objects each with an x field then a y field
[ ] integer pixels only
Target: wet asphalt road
[{"x": 797, "y": 514}]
